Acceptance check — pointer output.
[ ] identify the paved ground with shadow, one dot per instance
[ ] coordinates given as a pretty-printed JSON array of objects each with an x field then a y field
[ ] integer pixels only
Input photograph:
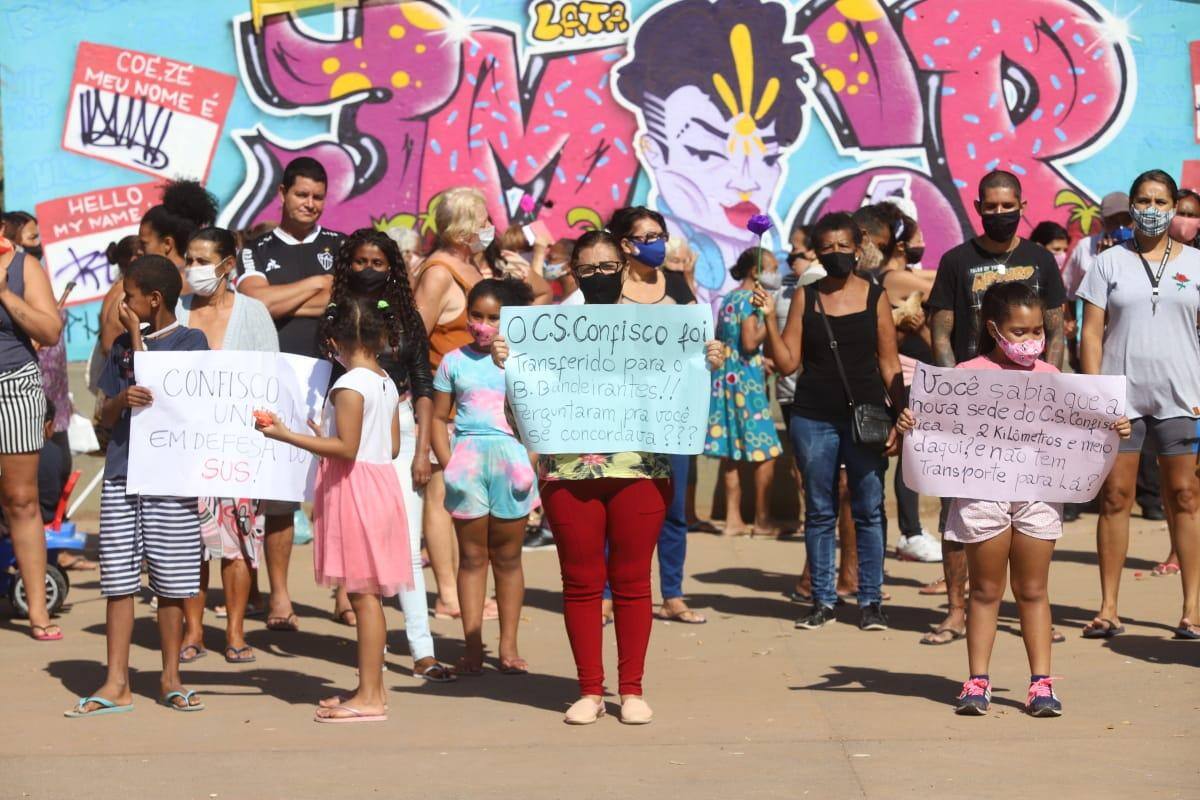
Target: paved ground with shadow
[{"x": 747, "y": 706}]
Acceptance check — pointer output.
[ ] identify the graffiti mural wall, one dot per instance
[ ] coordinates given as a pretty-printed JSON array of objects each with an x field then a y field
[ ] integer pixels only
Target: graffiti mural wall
[{"x": 709, "y": 111}]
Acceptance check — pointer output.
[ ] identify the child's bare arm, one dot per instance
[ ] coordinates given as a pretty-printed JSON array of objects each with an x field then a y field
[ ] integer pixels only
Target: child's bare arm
[
  {"x": 395, "y": 434},
  {"x": 348, "y": 409},
  {"x": 440, "y": 438}
]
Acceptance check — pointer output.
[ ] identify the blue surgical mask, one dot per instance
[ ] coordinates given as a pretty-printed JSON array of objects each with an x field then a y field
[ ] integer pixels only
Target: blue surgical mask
[{"x": 652, "y": 254}]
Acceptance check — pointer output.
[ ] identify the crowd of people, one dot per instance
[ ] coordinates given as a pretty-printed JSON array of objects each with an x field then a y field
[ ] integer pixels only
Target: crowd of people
[{"x": 419, "y": 463}]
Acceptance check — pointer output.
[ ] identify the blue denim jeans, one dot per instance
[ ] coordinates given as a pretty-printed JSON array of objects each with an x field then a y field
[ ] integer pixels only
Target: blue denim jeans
[
  {"x": 672, "y": 539},
  {"x": 821, "y": 449}
]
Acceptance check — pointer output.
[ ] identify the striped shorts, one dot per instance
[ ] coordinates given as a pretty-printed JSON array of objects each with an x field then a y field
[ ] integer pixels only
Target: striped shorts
[
  {"x": 165, "y": 531},
  {"x": 22, "y": 410}
]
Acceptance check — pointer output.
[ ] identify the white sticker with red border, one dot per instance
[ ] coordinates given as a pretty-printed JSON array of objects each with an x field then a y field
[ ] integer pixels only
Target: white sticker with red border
[
  {"x": 146, "y": 112},
  {"x": 77, "y": 230}
]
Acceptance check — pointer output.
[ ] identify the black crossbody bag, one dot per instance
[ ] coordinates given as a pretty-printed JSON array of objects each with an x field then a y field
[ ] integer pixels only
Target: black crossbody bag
[{"x": 870, "y": 423}]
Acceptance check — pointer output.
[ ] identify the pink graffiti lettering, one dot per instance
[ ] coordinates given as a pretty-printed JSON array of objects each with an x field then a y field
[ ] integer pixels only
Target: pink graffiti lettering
[{"x": 1019, "y": 85}]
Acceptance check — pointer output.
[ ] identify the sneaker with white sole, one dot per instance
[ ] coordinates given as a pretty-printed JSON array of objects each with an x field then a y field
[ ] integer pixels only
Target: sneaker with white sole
[{"x": 923, "y": 547}]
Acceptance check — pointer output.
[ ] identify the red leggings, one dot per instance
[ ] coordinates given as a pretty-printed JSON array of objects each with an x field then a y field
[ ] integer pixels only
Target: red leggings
[{"x": 585, "y": 515}]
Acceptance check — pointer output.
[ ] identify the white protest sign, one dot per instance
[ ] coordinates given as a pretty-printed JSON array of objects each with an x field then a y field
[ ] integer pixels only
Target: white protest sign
[
  {"x": 611, "y": 378},
  {"x": 1011, "y": 435},
  {"x": 198, "y": 438}
]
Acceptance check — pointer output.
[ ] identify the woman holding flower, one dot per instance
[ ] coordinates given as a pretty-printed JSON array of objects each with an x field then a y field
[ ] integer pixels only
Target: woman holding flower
[{"x": 740, "y": 427}]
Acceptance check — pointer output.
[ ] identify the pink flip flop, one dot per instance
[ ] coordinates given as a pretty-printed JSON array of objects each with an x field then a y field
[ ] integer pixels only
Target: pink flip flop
[{"x": 355, "y": 716}]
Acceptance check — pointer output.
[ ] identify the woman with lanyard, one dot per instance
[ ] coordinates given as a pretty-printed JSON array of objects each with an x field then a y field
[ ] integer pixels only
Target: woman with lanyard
[
  {"x": 606, "y": 511},
  {"x": 1142, "y": 301},
  {"x": 28, "y": 314},
  {"x": 370, "y": 264}
]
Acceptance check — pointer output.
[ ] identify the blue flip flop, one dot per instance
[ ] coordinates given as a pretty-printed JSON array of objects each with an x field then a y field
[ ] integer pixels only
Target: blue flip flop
[
  {"x": 106, "y": 707},
  {"x": 187, "y": 699}
]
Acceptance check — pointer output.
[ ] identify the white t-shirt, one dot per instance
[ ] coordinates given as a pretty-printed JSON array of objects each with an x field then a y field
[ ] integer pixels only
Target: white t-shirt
[
  {"x": 1083, "y": 257},
  {"x": 575, "y": 298},
  {"x": 1156, "y": 351},
  {"x": 380, "y": 401}
]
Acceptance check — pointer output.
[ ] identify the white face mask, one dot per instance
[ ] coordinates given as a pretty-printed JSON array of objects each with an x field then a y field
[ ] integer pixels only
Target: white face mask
[
  {"x": 771, "y": 280},
  {"x": 204, "y": 279},
  {"x": 485, "y": 237}
]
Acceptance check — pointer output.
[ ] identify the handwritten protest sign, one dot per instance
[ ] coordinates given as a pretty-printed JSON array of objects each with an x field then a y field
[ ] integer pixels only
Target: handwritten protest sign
[
  {"x": 146, "y": 112},
  {"x": 198, "y": 439},
  {"x": 77, "y": 230},
  {"x": 1008, "y": 435},
  {"x": 605, "y": 379}
]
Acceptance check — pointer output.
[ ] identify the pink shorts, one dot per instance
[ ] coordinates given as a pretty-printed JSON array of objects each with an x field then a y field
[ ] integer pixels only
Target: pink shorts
[{"x": 974, "y": 521}]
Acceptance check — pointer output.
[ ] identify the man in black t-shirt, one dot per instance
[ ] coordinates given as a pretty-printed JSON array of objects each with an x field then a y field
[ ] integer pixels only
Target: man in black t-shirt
[
  {"x": 290, "y": 270},
  {"x": 963, "y": 275}
]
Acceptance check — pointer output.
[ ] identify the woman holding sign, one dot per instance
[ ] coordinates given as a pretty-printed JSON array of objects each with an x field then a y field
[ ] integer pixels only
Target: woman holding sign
[
  {"x": 230, "y": 321},
  {"x": 28, "y": 314},
  {"x": 840, "y": 330},
  {"x": 606, "y": 510},
  {"x": 1142, "y": 300}
]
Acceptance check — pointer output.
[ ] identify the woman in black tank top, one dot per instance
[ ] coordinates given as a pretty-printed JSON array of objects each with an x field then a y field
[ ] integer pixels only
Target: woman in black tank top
[{"x": 860, "y": 318}]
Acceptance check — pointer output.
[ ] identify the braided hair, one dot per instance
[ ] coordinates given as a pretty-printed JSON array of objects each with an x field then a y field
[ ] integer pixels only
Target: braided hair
[
  {"x": 358, "y": 322},
  {"x": 404, "y": 324}
]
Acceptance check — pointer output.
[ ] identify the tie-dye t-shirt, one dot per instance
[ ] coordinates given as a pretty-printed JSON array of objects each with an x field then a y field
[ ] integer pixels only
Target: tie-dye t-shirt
[{"x": 478, "y": 388}]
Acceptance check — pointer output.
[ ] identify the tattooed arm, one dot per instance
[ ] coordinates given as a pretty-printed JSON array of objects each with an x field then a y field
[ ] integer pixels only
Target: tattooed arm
[
  {"x": 942, "y": 327},
  {"x": 1055, "y": 342}
]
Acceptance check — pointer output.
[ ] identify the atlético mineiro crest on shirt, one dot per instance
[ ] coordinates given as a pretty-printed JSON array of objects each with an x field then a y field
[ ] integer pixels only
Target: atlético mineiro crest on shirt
[
  {"x": 325, "y": 259},
  {"x": 272, "y": 265}
]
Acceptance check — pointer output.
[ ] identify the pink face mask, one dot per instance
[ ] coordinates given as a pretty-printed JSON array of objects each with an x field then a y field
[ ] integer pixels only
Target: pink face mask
[
  {"x": 482, "y": 333},
  {"x": 1060, "y": 258},
  {"x": 1184, "y": 229},
  {"x": 1024, "y": 354}
]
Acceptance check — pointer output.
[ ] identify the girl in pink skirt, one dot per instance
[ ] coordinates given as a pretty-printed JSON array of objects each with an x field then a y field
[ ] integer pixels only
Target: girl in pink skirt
[{"x": 361, "y": 539}]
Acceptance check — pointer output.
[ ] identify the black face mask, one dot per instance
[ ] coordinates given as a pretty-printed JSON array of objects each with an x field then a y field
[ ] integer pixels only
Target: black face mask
[
  {"x": 368, "y": 282},
  {"x": 601, "y": 290},
  {"x": 913, "y": 255},
  {"x": 1001, "y": 227},
  {"x": 35, "y": 251},
  {"x": 838, "y": 265}
]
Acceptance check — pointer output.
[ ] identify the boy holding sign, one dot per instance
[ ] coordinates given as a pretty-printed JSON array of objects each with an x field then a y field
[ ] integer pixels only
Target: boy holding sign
[
  {"x": 1012, "y": 337},
  {"x": 164, "y": 531}
]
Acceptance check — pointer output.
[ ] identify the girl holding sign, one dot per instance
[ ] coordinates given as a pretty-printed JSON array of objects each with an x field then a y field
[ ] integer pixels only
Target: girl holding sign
[
  {"x": 489, "y": 480},
  {"x": 606, "y": 510},
  {"x": 361, "y": 528},
  {"x": 1012, "y": 336}
]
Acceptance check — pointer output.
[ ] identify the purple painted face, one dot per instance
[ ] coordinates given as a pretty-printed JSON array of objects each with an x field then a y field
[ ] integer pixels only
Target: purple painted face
[{"x": 717, "y": 172}]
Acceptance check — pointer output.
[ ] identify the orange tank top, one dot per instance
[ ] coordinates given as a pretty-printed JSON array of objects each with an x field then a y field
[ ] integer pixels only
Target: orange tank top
[{"x": 447, "y": 337}]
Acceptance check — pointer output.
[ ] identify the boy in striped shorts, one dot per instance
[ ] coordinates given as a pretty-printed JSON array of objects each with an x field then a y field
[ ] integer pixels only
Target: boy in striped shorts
[{"x": 163, "y": 531}]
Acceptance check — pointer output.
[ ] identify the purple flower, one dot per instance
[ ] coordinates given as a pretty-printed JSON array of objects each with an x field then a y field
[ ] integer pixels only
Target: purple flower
[{"x": 759, "y": 224}]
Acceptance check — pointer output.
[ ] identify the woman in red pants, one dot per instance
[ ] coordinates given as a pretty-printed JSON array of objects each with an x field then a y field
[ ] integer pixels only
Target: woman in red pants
[{"x": 606, "y": 511}]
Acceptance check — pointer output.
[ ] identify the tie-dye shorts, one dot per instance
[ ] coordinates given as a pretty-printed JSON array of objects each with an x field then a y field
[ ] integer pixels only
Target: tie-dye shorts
[{"x": 490, "y": 476}]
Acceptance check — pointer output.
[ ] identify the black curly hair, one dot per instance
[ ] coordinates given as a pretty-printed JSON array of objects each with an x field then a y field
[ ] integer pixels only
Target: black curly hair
[
  {"x": 358, "y": 321},
  {"x": 185, "y": 208},
  {"x": 404, "y": 325},
  {"x": 506, "y": 291}
]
